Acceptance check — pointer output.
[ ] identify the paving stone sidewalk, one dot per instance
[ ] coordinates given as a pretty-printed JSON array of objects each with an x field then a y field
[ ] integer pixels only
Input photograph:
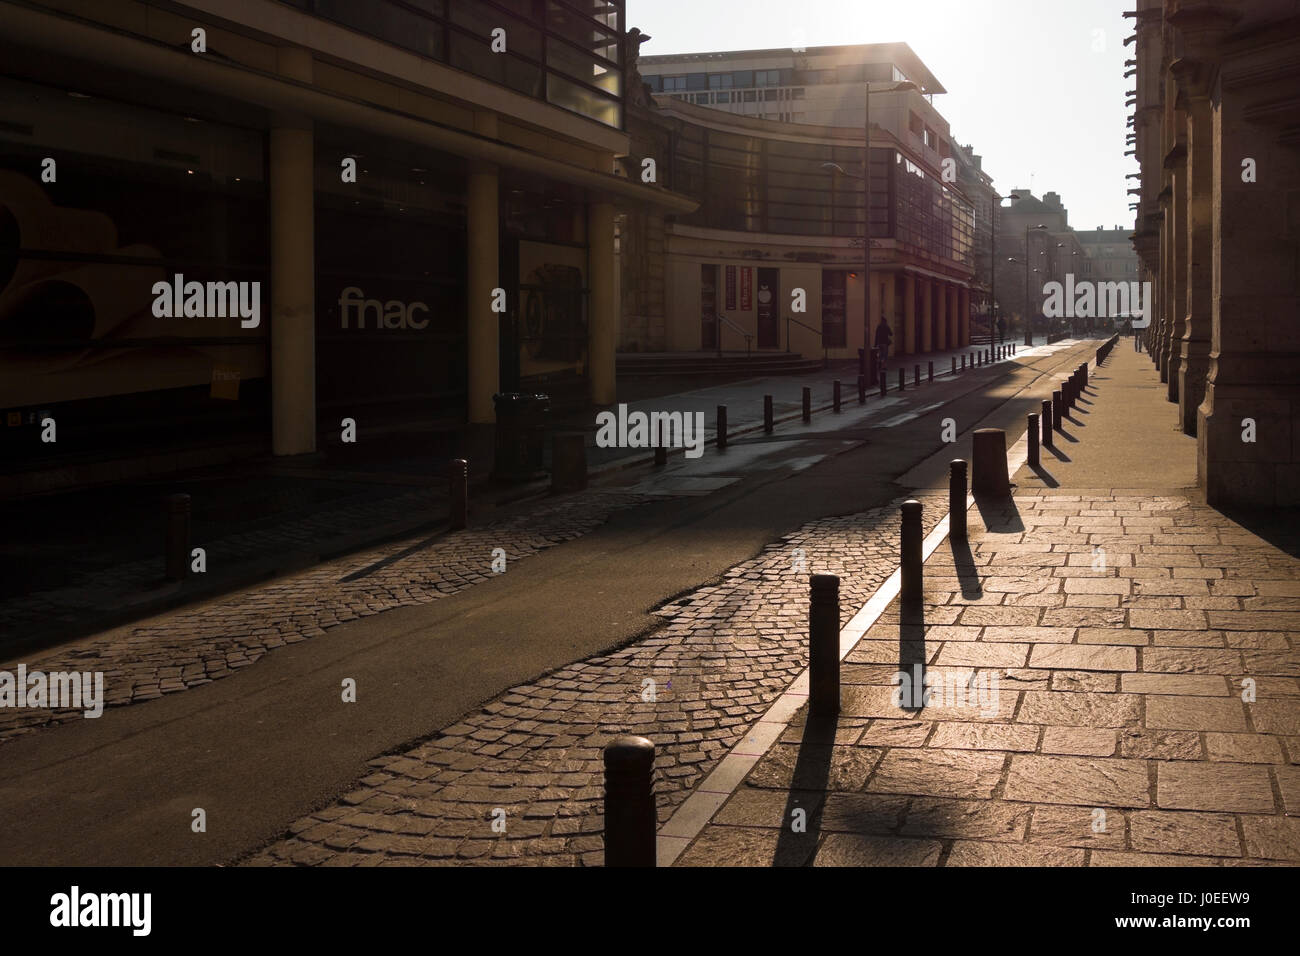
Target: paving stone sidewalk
[
  {"x": 195, "y": 646},
  {"x": 1147, "y": 712},
  {"x": 725, "y": 652}
]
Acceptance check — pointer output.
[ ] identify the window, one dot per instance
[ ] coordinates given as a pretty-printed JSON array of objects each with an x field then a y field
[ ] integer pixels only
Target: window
[
  {"x": 767, "y": 78},
  {"x": 914, "y": 124},
  {"x": 720, "y": 81},
  {"x": 743, "y": 78},
  {"x": 655, "y": 82},
  {"x": 674, "y": 83},
  {"x": 697, "y": 81}
]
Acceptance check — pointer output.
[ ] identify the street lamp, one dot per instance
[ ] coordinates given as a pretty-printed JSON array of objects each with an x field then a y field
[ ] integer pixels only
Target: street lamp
[
  {"x": 993, "y": 265},
  {"x": 1029, "y": 324},
  {"x": 901, "y": 86}
]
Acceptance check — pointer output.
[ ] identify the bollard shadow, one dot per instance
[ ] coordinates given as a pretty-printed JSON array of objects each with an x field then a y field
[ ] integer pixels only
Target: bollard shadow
[
  {"x": 811, "y": 775},
  {"x": 1000, "y": 515},
  {"x": 1059, "y": 455},
  {"x": 911, "y": 651},
  {"x": 1063, "y": 433},
  {"x": 1045, "y": 476},
  {"x": 967, "y": 575}
]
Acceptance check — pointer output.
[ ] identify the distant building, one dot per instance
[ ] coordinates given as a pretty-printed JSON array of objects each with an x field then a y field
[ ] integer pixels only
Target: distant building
[{"x": 1108, "y": 255}]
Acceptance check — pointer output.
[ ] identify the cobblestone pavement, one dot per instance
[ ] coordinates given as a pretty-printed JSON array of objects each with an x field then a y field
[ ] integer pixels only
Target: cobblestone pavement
[
  {"x": 196, "y": 646},
  {"x": 725, "y": 651},
  {"x": 1124, "y": 732}
]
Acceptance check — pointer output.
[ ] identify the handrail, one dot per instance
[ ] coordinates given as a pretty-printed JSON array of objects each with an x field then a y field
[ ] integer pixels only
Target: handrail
[
  {"x": 826, "y": 354},
  {"x": 749, "y": 351}
]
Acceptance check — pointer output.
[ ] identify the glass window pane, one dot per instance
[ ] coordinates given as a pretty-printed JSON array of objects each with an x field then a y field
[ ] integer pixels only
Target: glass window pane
[
  {"x": 561, "y": 56},
  {"x": 571, "y": 96}
]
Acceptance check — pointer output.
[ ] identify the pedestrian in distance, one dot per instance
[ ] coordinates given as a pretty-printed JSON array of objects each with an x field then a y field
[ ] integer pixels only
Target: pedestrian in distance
[{"x": 884, "y": 338}]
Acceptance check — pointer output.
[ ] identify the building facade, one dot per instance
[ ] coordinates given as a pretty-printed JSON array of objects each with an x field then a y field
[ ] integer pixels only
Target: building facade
[
  {"x": 420, "y": 210},
  {"x": 1217, "y": 125},
  {"x": 773, "y": 257}
]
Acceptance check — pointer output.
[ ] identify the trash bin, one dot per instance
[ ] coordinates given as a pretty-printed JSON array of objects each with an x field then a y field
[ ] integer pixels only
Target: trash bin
[{"x": 520, "y": 434}]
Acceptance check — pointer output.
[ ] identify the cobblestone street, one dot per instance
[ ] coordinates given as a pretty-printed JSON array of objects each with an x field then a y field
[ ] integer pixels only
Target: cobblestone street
[{"x": 724, "y": 652}]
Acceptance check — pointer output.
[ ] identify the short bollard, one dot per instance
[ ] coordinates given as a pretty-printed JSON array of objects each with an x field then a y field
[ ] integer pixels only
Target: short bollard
[
  {"x": 722, "y": 428},
  {"x": 862, "y": 389},
  {"x": 1083, "y": 374},
  {"x": 661, "y": 447},
  {"x": 902, "y": 379},
  {"x": 954, "y": 365},
  {"x": 807, "y": 405},
  {"x": 1031, "y": 434},
  {"x": 835, "y": 396},
  {"x": 957, "y": 499},
  {"x": 1057, "y": 409},
  {"x": 568, "y": 461},
  {"x": 630, "y": 822},
  {"x": 930, "y": 373},
  {"x": 911, "y": 588},
  {"x": 1045, "y": 422},
  {"x": 963, "y": 363},
  {"x": 458, "y": 492},
  {"x": 989, "y": 478},
  {"x": 916, "y": 375},
  {"x": 824, "y": 646},
  {"x": 177, "y": 553},
  {"x": 884, "y": 383},
  {"x": 767, "y": 414}
]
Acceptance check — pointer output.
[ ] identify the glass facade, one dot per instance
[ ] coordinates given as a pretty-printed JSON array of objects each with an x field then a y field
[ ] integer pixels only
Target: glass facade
[
  {"x": 755, "y": 184},
  {"x": 566, "y": 52}
]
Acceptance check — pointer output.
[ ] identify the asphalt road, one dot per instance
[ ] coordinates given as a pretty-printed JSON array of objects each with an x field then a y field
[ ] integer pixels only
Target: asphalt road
[{"x": 275, "y": 742}]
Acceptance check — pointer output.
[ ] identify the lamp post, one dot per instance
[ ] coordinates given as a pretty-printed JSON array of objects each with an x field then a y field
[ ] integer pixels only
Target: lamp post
[
  {"x": 1029, "y": 322},
  {"x": 901, "y": 86},
  {"x": 993, "y": 265}
]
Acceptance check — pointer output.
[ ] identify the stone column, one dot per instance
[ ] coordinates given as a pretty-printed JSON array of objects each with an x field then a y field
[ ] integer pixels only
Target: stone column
[
  {"x": 1177, "y": 226},
  {"x": 1194, "y": 351},
  {"x": 293, "y": 271},
  {"x": 602, "y": 310},
  {"x": 484, "y": 276},
  {"x": 944, "y": 318},
  {"x": 909, "y": 313},
  {"x": 964, "y": 312},
  {"x": 891, "y": 312},
  {"x": 927, "y": 324},
  {"x": 1254, "y": 378},
  {"x": 954, "y": 317}
]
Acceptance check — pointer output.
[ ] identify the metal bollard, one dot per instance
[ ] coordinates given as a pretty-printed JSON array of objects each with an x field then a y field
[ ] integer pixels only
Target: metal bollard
[
  {"x": 722, "y": 428},
  {"x": 963, "y": 363},
  {"x": 824, "y": 646},
  {"x": 835, "y": 396},
  {"x": 1083, "y": 373},
  {"x": 767, "y": 412},
  {"x": 807, "y": 405},
  {"x": 568, "y": 462},
  {"x": 1045, "y": 421},
  {"x": 916, "y": 376},
  {"x": 1032, "y": 435},
  {"x": 458, "y": 492},
  {"x": 177, "y": 549},
  {"x": 989, "y": 476},
  {"x": 910, "y": 553},
  {"x": 1057, "y": 409},
  {"x": 930, "y": 372},
  {"x": 862, "y": 389},
  {"x": 884, "y": 383},
  {"x": 954, "y": 365},
  {"x": 902, "y": 379},
  {"x": 957, "y": 499},
  {"x": 630, "y": 822}
]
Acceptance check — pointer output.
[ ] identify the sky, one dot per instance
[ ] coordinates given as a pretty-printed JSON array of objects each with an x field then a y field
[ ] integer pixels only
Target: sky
[{"x": 1036, "y": 87}]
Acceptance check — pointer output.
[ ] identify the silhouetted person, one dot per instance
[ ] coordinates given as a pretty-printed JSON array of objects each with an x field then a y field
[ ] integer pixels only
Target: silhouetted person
[
  {"x": 884, "y": 336},
  {"x": 1002, "y": 330}
]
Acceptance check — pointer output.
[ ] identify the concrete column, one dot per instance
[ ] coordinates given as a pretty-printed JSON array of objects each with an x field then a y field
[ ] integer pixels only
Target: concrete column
[
  {"x": 1194, "y": 362},
  {"x": 954, "y": 317},
  {"x": 891, "y": 312},
  {"x": 293, "y": 272},
  {"x": 1177, "y": 311},
  {"x": 964, "y": 311},
  {"x": 1255, "y": 341},
  {"x": 484, "y": 276},
  {"x": 602, "y": 308},
  {"x": 927, "y": 324},
  {"x": 909, "y": 313},
  {"x": 941, "y": 295}
]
